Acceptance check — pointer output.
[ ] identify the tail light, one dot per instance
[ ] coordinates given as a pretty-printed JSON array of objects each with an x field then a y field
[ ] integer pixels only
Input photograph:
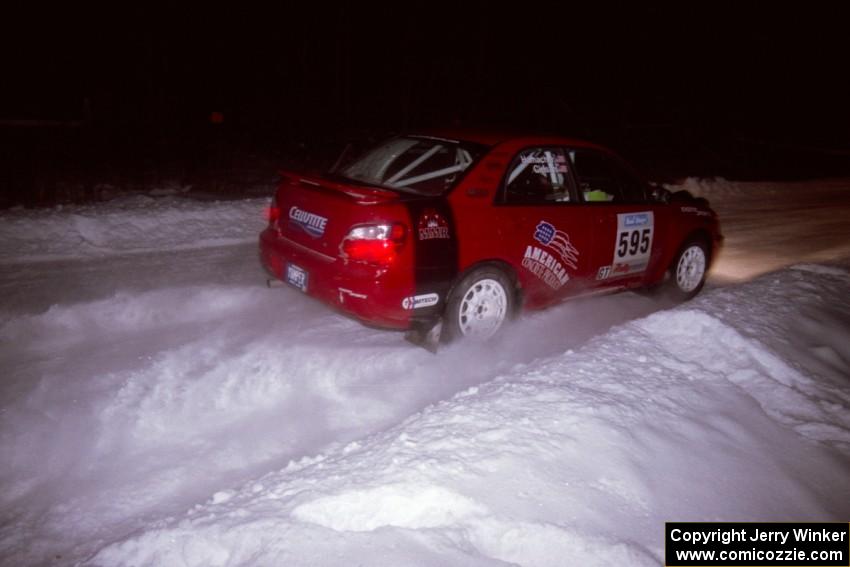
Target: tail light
[
  {"x": 374, "y": 243},
  {"x": 273, "y": 211}
]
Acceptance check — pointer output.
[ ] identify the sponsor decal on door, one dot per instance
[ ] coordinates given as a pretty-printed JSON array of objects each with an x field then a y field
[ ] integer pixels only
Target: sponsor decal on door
[
  {"x": 557, "y": 241},
  {"x": 549, "y": 263}
]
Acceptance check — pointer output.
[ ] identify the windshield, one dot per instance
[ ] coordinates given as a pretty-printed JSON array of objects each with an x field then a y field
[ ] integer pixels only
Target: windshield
[{"x": 427, "y": 166}]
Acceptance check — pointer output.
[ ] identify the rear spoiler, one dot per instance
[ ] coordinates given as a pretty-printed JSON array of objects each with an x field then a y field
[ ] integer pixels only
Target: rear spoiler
[{"x": 363, "y": 194}]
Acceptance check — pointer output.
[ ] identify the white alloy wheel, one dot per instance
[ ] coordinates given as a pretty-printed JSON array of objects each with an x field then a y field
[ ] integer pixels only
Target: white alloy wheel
[
  {"x": 690, "y": 270},
  {"x": 482, "y": 310}
]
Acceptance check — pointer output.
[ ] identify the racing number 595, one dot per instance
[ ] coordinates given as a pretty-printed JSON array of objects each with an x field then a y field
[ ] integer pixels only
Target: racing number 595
[{"x": 632, "y": 241}]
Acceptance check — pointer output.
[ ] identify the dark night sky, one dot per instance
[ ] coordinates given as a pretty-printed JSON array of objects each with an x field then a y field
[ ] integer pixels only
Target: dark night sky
[{"x": 713, "y": 70}]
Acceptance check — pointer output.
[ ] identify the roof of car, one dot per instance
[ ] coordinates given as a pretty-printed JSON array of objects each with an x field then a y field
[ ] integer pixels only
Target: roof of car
[{"x": 488, "y": 137}]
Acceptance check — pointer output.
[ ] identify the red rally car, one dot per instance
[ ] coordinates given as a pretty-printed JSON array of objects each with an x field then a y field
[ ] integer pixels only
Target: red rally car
[{"x": 455, "y": 232}]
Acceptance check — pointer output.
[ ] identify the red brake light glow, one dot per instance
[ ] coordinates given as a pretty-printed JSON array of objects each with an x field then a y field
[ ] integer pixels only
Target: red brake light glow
[
  {"x": 374, "y": 243},
  {"x": 272, "y": 211}
]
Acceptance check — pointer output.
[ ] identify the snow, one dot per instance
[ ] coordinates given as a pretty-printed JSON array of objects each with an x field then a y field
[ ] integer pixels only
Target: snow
[
  {"x": 160, "y": 406},
  {"x": 137, "y": 223}
]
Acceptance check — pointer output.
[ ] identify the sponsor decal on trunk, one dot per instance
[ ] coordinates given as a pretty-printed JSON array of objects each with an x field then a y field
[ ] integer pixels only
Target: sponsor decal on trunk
[{"x": 311, "y": 223}]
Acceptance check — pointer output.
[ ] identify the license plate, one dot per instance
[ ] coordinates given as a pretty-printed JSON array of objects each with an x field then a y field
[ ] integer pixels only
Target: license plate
[{"x": 296, "y": 276}]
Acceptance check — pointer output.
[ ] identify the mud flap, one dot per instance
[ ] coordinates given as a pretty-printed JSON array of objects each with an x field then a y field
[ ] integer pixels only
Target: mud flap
[
  {"x": 436, "y": 253},
  {"x": 427, "y": 335}
]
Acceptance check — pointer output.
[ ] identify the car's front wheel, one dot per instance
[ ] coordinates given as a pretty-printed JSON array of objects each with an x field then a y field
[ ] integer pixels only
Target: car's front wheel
[
  {"x": 688, "y": 272},
  {"x": 479, "y": 306}
]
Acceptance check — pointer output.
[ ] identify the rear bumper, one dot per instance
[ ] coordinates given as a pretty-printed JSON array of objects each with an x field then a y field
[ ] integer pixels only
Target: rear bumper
[{"x": 373, "y": 295}]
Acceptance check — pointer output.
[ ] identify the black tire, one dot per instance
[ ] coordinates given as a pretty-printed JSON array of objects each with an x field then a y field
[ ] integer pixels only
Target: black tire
[
  {"x": 688, "y": 271},
  {"x": 479, "y": 306}
]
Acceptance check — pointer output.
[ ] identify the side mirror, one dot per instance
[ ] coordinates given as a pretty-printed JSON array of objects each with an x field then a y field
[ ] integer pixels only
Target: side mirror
[{"x": 660, "y": 194}]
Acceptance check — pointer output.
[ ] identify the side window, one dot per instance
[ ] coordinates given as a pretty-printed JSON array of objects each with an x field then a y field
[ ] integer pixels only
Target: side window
[
  {"x": 540, "y": 176},
  {"x": 634, "y": 189},
  {"x": 602, "y": 179}
]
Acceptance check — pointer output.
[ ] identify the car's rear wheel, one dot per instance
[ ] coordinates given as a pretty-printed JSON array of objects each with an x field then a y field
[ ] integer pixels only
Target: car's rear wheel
[
  {"x": 479, "y": 306},
  {"x": 688, "y": 272}
]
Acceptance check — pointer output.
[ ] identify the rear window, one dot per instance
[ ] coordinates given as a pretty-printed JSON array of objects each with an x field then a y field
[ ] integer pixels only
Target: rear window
[{"x": 427, "y": 166}]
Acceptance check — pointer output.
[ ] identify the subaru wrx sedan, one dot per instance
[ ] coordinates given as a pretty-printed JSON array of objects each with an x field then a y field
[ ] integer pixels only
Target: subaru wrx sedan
[{"x": 460, "y": 231}]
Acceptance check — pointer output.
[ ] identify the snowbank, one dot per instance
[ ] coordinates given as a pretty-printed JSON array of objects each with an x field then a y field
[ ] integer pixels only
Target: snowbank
[
  {"x": 126, "y": 224},
  {"x": 690, "y": 414}
]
